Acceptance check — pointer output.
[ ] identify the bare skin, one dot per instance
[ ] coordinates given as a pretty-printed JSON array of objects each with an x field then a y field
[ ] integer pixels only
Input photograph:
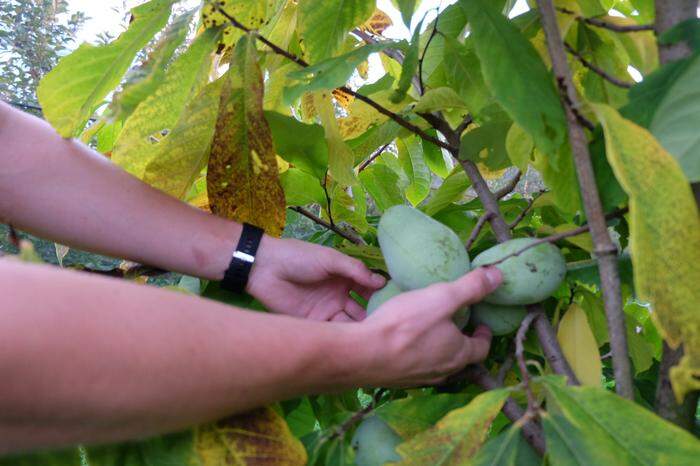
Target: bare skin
[{"x": 89, "y": 359}]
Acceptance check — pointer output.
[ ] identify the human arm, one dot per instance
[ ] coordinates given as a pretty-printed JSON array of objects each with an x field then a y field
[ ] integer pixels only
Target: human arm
[
  {"x": 91, "y": 359},
  {"x": 61, "y": 189}
]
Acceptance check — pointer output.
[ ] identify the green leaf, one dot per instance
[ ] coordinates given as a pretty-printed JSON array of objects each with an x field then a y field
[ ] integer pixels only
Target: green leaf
[
  {"x": 143, "y": 131},
  {"x": 144, "y": 80},
  {"x": 463, "y": 74},
  {"x": 411, "y": 159},
  {"x": 434, "y": 158},
  {"x": 341, "y": 159},
  {"x": 70, "y": 457},
  {"x": 301, "y": 188},
  {"x": 677, "y": 118},
  {"x": 178, "y": 159},
  {"x": 329, "y": 74},
  {"x": 411, "y": 416},
  {"x": 486, "y": 144},
  {"x": 408, "y": 67},
  {"x": 508, "y": 448},
  {"x": 664, "y": 226},
  {"x": 406, "y": 7},
  {"x": 370, "y": 255},
  {"x": 298, "y": 143},
  {"x": 587, "y": 425},
  {"x": 323, "y": 24},
  {"x": 516, "y": 76},
  {"x": 440, "y": 98},
  {"x": 382, "y": 183},
  {"x": 601, "y": 50},
  {"x": 451, "y": 190},
  {"x": 457, "y": 436},
  {"x": 70, "y": 93}
]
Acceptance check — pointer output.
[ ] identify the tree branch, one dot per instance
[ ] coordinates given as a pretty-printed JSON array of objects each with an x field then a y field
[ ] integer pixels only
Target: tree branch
[
  {"x": 477, "y": 229},
  {"x": 520, "y": 357},
  {"x": 421, "y": 89},
  {"x": 373, "y": 157},
  {"x": 668, "y": 14},
  {"x": 599, "y": 71},
  {"x": 597, "y": 22},
  {"x": 350, "y": 236},
  {"x": 604, "y": 250}
]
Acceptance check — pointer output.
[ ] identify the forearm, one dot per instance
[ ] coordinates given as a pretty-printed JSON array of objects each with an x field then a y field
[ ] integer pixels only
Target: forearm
[
  {"x": 62, "y": 190},
  {"x": 90, "y": 359}
]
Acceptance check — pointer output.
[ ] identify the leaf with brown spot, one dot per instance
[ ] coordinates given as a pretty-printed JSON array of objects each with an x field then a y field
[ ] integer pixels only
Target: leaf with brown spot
[
  {"x": 243, "y": 178},
  {"x": 255, "y": 438},
  {"x": 377, "y": 23},
  {"x": 457, "y": 436}
]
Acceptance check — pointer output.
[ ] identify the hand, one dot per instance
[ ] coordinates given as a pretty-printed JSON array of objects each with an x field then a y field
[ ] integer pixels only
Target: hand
[
  {"x": 411, "y": 339},
  {"x": 307, "y": 280}
]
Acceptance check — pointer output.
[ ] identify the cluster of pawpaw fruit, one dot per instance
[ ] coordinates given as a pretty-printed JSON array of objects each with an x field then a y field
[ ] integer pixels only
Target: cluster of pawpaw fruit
[{"x": 420, "y": 251}]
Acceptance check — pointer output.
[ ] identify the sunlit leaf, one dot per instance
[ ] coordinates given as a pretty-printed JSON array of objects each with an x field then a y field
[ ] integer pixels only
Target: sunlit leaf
[
  {"x": 70, "y": 93},
  {"x": 242, "y": 178},
  {"x": 382, "y": 184},
  {"x": 411, "y": 416},
  {"x": 377, "y": 23},
  {"x": 301, "y": 188},
  {"x": 664, "y": 226},
  {"x": 341, "y": 159},
  {"x": 300, "y": 144},
  {"x": 438, "y": 99}
]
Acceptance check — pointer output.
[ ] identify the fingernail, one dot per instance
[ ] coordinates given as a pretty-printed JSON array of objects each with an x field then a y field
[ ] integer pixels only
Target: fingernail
[{"x": 494, "y": 276}]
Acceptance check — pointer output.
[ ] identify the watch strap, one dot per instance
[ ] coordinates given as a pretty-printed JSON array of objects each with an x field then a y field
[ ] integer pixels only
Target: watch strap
[{"x": 242, "y": 259}]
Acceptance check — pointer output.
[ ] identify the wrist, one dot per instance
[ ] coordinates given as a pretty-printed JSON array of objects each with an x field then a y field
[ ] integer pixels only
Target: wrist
[{"x": 266, "y": 257}]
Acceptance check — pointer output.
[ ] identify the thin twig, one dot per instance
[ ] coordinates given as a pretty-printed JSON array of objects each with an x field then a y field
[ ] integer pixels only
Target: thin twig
[
  {"x": 604, "y": 248},
  {"x": 328, "y": 199},
  {"x": 468, "y": 120},
  {"x": 421, "y": 89},
  {"x": 350, "y": 236},
  {"x": 505, "y": 367},
  {"x": 520, "y": 357},
  {"x": 524, "y": 212},
  {"x": 509, "y": 187},
  {"x": 597, "y": 70},
  {"x": 373, "y": 157},
  {"x": 597, "y": 22},
  {"x": 357, "y": 417},
  {"x": 477, "y": 229}
]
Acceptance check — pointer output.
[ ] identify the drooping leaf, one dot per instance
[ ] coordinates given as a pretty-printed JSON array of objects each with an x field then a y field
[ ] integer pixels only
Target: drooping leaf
[
  {"x": 580, "y": 346},
  {"x": 457, "y": 436},
  {"x": 411, "y": 159},
  {"x": 341, "y": 159},
  {"x": 323, "y": 24},
  {"x": 408, "y": 67},
  {"x": 486, "y": 145},
  {"x": 434, "y": 158},
  {"x": 298, "y": 143},
  {"x": 411, "y": 416},
  {"x": 508, "y": 448},
  {"x": 640, "y": 46},
  {"x": 377, "y": 23},
  {"x": 440, "y": 98},
  {"x": 152, "y": 121},
  {"x": 242, "y": 178},
  {"x": 247, "y": 439},
  {"x": 590, "y": 425},
  {"x": 382, "y": 184},
  {"x": 70, "y": 93},
  {"x": 676, "y": 120},
  {"x": 370, "y": 255},
  {"x": 252, "y": 14},
  {"x": 664, "y": 226},
  {"x": 144, "y": 80},
  {"x": 463, "y": 74},
  {"x": 406, "y": 7},
  {"x": 177, "y": 160},
  {"x": 516, "y": 76},
  {"x": 330, "y": 73}
]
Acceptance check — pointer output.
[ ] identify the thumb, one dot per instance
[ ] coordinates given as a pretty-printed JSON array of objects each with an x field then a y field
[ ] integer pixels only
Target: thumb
[{"x": 469, "y": 289}]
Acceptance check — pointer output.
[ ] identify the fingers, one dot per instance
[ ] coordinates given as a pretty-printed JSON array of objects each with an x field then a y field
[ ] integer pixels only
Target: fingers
[
  {"x": 476, "y": 347},
  {"x": 469, "y": 289},
  {"x": 342, "y": 317},
  {"x": 354, "y": 310},
  {"x": 354, "y": 269}
]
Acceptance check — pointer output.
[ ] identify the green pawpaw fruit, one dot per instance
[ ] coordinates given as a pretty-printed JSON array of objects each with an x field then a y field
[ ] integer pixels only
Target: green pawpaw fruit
[
  {"x": 375, "y": 443},
  {"x": 419, "y": 250},
  {"x": 502, "y": 320},
  {"x": 390, "y": 290},
  {"x": 529, "y": 277}
]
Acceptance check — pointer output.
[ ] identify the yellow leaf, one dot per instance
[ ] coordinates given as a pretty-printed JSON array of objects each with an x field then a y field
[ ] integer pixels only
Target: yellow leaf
[
  {"x": 377, "y": 23},
  {"x": 254, "y": 438},
  {"x": 457, "y": 436},
  {"x": 243, "y": 177},
  {"x": 664, "y": 237},
  {"x": 579, "y": 346}
]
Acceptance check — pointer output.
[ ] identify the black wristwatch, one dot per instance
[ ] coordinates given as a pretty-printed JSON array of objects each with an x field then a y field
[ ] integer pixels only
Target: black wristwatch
[{"x": 242, "y": 260}]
